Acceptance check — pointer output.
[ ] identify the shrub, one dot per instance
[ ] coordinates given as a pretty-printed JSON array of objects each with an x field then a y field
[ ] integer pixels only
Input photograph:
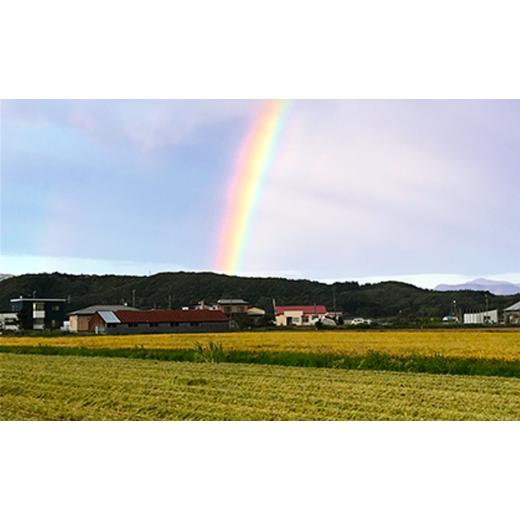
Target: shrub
[{"x": 213, "y": 352}]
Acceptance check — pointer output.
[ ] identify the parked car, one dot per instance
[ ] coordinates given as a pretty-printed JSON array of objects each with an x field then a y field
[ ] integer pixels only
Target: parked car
[
  {"x": 450, "y": 319},
  {"x": 360, "y": 321}
]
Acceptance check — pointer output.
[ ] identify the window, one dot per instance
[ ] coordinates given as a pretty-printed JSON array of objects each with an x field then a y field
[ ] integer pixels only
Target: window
[
  {"x": 153, "y": 324},
  {"x": 133, "y": 324},
  {"x": 111, "y": 325},
  {"x": 306, "y": 319},
  {"x": 194, "y": 323},
  {"x": 38, "y": 306},
  {"x": 227, "y": 309},
  {"x": 55, "y": 307},
  {"x": 174, "y": 324}
]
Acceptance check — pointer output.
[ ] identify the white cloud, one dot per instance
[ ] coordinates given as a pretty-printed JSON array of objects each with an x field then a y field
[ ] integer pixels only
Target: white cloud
[
  {"x": 431, "y": 280},
  {"x": 21, "y": 264},
  {"x": 146, "y": 125}
]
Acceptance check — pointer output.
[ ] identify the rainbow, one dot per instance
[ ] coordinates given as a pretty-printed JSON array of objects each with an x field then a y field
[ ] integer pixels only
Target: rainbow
[{"x": 251, "y": 166}]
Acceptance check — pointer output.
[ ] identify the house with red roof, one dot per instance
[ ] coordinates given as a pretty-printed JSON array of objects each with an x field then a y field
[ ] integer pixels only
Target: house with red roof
[
  {"x": 158, "y": 320},
  {"x": 299, "y": 315}
]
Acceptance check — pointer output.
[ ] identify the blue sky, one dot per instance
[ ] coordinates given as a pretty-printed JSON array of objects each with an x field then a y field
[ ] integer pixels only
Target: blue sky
[{"x": 423, "y": 191}]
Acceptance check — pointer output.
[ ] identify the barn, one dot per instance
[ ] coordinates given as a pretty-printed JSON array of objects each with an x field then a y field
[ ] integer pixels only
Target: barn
[
  {"x": 157, "y": 321},
  {"x": 79, "y": 320}
]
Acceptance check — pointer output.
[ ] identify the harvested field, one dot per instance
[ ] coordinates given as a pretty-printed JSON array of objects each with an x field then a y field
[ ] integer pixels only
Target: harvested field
[{"x": 79, "y": 388}]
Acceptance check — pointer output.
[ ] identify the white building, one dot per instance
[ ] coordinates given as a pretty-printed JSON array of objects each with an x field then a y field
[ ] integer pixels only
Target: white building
[
  {"x": 481, "y": 318},
  {"x": 9, "y": 321},
  {"x": 299, "y": 315}
]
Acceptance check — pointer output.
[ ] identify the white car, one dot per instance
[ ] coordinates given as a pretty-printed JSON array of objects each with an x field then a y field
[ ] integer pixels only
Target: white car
[
  {"x": 450, "y": 319},
  {"x": 360, "y": 321}
]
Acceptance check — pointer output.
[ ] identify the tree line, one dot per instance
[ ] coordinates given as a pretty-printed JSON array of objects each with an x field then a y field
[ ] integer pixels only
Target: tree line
[{"x": 384, "y": 299}]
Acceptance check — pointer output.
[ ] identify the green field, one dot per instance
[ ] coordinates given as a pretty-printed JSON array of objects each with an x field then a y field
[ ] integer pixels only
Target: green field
[{"x": 99, "y": 388}]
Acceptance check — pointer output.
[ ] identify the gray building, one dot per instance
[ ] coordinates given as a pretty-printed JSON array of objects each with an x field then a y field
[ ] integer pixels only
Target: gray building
[
  {"x": 232, "y": 307},
  {"x": 512, "y": 314}
]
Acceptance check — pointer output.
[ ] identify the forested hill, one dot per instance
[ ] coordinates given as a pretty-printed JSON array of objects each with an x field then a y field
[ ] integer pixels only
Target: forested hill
[{"x": 369, "y": 300}]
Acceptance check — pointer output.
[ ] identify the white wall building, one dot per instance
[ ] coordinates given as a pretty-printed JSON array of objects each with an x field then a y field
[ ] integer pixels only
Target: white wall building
[
  {"x": 481, "y": 318},
  {"x": 299, "y": 315},
  {"x": 9, "y": 321}
]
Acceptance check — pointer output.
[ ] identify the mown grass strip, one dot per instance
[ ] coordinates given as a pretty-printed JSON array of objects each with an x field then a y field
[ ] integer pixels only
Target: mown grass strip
[{"x": 435, "y": 364}]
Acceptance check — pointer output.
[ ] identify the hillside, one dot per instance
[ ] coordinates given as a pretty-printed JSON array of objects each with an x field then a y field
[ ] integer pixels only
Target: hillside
[{"x": 370, "y": 300}]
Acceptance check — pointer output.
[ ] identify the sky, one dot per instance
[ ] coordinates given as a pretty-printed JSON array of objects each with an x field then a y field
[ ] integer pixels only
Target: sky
[{"x": 421, "y": 191}]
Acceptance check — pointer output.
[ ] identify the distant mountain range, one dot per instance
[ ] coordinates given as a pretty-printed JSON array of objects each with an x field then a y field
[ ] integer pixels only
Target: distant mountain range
[
  {"x": 481, "y": 284},
  {"x": 5, "y": 276}
]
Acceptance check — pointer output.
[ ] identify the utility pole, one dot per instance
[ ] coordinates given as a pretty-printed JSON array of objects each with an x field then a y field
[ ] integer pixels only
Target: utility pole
[
  {"x": 133, "y": 297},
  {"x": 169, "y": 301}
]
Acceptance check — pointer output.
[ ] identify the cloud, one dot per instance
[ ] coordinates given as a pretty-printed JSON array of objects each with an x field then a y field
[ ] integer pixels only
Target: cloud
[
  {"x": 146, "y": 125},
  {"x": 359, "y": 189},
  {"x": 21, "y": 264}
]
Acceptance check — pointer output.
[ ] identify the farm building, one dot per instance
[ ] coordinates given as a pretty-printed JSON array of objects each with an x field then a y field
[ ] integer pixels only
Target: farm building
[
  {"x": 512, "y": 314},
  {"x": 299, "y": 315},
  {"x": 155, "y": 321},
  {"x": 39, "y": 313},
  {"x": 481, "y": 318},
  {"x": 79, "y": 320}
]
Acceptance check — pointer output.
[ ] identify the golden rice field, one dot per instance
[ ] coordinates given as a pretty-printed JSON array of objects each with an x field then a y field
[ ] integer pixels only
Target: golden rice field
[
  {"x": 486, "y": 344},
  {"x": 34, "y": 387}
]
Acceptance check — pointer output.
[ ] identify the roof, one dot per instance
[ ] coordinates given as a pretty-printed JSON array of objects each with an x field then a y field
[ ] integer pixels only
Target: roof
[
  {"x": 255, "y": 311},
  {"x": 164, "y": 316},
  {"x": 483, "y": 313},
  {"x": 306, "y": 309},
  {"x": 109, "y": 317},
  {"x": 21, "y": 299},
  {"x": 87, "y": 311},
  {"x": 514, "y": 307},
  {"x": 232, "y": 302}
]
